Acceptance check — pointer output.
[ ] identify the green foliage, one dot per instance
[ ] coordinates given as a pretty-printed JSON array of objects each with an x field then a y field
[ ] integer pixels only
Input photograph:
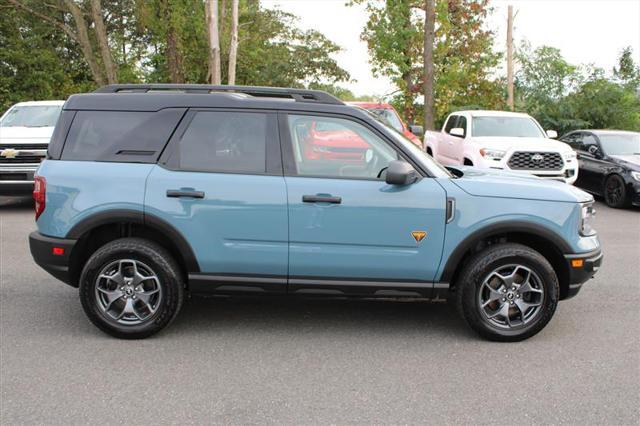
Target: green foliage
[
  {"x": 38, "y": 60},
  {"x": 463, "y": 53},
  {"x": 565, "y": 97}
]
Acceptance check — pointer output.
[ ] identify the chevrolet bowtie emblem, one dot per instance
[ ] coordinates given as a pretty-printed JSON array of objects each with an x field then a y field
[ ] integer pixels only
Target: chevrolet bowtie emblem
[
  {"x": 9, "y": 153},
  {"x": 418, "y": 235}
]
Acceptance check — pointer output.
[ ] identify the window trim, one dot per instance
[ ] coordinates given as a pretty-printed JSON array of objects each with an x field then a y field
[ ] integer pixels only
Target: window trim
[
  {"x": 273, "y": 156},
  {"x": 288, "y": 159}
]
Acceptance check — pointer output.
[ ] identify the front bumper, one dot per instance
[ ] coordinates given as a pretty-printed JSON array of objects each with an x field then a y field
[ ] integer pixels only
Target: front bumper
[
  {"x": 17, "y": 179},
  {"x": 582, "y": 267},
  {"x": 56, "y": 262}
]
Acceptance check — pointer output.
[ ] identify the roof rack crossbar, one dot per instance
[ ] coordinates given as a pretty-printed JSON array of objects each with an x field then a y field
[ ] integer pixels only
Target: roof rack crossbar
[{"x": 299, "y": 95}]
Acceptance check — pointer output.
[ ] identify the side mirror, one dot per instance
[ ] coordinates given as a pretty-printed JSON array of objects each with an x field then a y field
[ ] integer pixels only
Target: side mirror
[
  {"x": 416, "y": 130},
  {"x": 594, "y": 150},
  {"x": 457, "y": 131},
  {"x": 401, "y": 173},
  {"x": 552, "y": 134}
]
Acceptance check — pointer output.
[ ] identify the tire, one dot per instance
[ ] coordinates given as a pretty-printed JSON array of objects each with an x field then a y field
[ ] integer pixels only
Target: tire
[
  {"x": 615, "y": 192},
  {"x": 527, "y": 312},
  {"x": 109, "y": 288}
]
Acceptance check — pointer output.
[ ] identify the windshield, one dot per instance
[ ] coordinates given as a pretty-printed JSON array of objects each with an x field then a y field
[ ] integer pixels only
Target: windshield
[
  {"x": 425, "y": 159},
  {"x": 519, "y": 127},
  {"x": 388, "y": 116},
  {"x": 31, "y": 116},
  {"x": 620, "y": 143}
]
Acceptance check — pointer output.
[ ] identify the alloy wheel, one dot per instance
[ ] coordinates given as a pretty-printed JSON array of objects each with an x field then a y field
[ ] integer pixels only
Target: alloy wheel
[
  {"x": 511, "y": 296},
  {"x": 128, "y": 291}
]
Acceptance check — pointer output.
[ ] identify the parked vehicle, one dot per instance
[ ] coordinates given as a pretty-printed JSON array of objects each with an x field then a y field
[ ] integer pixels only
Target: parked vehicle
[
  {"x": 204, "y": 189},
  {"x": 503, "y": 141},
  {"x": 388, "y": 114},
  {"x": 609, "y": 164},
  {"x": 25, "y": 130}
]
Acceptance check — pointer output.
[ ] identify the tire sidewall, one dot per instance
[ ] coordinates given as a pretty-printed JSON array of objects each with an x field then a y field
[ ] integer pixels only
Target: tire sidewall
[
  {"x": 477, "y": 274},
  {"x": 169, "y": 282},
  {"x": 623, "y": 199}
]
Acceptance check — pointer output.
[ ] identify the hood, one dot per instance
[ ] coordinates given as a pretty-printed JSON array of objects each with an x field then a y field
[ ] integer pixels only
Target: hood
[
  {"x": 25, "y": 134},
  {"x": 521, "y": 185},
  {"x": 632, "y": 160},
  {"x": 522, "y": 144}
]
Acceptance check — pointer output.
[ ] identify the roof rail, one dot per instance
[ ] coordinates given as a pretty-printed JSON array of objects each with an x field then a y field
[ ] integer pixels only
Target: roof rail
[{"x": 299, "y": 95}]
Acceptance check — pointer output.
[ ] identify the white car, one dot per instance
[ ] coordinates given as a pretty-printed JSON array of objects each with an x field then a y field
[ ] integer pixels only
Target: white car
[
  {"x": 25, "y": 132},
  {"x": 504, "y": 141}
]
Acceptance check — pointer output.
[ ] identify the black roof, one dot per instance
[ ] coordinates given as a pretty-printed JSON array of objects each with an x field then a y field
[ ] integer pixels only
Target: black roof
[{"x": 154, "y": 97}]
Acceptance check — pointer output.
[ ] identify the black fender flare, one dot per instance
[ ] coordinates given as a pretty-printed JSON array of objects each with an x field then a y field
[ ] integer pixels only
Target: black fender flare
[
  {"x": 138, "y": 217},
  {"x": 520, "y": 227}
]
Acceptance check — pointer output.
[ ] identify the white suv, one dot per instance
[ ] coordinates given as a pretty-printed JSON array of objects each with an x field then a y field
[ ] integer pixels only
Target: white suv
[
  {"x": 502, "y": 140},
  {"x": 25, "y": 131}
]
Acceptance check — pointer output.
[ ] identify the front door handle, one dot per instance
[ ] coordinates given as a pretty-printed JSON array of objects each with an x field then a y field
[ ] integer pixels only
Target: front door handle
[
  {"x": 321, "y": 199},
  {"x": 176, "y": 193}
]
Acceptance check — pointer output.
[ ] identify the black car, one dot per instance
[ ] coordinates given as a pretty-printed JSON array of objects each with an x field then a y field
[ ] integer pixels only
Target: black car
[{"x": 609, "y": 164}]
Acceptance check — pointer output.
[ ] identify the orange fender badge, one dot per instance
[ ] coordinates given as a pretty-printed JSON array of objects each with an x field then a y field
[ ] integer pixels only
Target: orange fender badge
[{"x": 418, "y": 235}]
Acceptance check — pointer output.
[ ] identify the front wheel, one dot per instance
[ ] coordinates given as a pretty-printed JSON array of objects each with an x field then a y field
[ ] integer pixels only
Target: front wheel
[
  {"x": 615, "y": 192},
  {"x": 507, "y": 292},
  {"x": 131, "y": 288}
]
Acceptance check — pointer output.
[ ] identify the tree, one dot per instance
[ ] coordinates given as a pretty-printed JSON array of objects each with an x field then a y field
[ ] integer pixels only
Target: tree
[
  {"x": 627, "y": 72},
  {"x": 233, "y": 46},
  {"x": 429, "y": 39},
  {"x": 71, "y": 18},
  {"x": 214, "y": 41},
  {"x": 463, "y": 53}
]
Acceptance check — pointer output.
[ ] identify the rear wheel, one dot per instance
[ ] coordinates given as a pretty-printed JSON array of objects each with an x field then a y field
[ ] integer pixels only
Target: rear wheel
[
  {"x": 615, "y": 192},
  {"x": 131, "y": 288},
  {"x": 507, "y": 292}
]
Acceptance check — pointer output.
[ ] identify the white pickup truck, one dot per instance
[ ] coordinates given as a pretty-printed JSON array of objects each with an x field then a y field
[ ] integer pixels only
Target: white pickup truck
[{"x": 502, "y": 140}]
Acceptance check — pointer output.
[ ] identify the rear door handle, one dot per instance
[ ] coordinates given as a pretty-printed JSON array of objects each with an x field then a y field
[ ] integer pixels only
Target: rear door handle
[
  {"x": 321, "y": 199},
  {"x": 177, "y": 193}
]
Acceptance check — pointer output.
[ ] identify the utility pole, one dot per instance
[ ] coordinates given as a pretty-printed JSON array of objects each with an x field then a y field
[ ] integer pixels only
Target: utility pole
[{"x": 510, "y": 100}]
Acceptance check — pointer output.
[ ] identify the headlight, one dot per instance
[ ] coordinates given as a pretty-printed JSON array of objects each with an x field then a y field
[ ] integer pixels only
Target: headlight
[
  {"x": 492, "y": 153},
  {"x": 636, "y": 175},
  {"x": 586, "y": 220},
  {"x": 569, "y": 155}
]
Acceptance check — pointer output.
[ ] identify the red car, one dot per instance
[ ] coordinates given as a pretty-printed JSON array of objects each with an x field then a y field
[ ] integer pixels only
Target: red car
[
  {"x": 388, "y": 114},
  {"x": 324, "y": 141}
]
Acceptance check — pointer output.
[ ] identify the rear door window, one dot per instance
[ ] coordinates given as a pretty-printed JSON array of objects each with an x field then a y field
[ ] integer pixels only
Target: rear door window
[
  {"x": 120, "y": 136},
  {"x": 225, "y": 142}
]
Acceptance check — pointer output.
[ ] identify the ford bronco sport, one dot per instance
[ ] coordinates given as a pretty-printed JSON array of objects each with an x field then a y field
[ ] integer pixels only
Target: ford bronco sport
[{"x": 153, "y": 192}]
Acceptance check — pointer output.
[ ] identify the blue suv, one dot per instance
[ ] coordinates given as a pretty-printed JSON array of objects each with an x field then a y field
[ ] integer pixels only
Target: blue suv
[{"x": 153, "y": 192}]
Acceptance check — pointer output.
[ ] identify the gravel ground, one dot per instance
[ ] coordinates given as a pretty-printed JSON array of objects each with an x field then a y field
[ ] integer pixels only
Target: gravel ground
[{"x": 317, "y": 362}]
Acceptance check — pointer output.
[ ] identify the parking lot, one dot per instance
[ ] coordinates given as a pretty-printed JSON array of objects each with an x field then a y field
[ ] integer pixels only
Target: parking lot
[{"x": 308, "y": 362}]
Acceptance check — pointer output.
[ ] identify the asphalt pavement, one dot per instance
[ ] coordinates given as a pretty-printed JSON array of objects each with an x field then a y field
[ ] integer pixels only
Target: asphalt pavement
[{"x": 281, "y": 361}]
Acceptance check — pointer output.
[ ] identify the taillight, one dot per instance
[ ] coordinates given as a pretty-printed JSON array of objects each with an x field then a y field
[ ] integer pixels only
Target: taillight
[{"x": 39, "y": 194}]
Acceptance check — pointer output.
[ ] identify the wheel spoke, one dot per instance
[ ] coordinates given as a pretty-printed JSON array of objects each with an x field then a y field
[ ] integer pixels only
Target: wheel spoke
[
  {"x": 526, "y": 288},
  {"x": 127, "y": 309},
  {"x": 503, "y": 310},
  {"x": 145, "y": 296},
  {"x": 523, "y": 306},
  {"x": 111, "y": 296},
  {"x": 494, "y": 294}
]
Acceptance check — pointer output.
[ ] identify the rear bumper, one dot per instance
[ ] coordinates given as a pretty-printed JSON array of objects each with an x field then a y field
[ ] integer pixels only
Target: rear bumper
[
  {"x": 42, "y": 250},
  {"x": 582, "y": 267}
]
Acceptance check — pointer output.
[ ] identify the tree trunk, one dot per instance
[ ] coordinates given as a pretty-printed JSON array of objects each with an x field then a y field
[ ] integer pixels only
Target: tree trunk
[
  {"x": 233, "y": 47},
  {"x": 82, "y": 36},
  {"x": 510, "y": 100},
  {"x": 103, "y": 42},
  {"x": 173, "y": 54},
  {"x": 214, "y": 40},
  {"x": 429, "y": 36}
]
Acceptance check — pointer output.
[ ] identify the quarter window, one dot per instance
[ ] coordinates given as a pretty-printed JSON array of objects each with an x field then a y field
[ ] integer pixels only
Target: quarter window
[
  {"x": 335, "y": 147},
  {"x": 119, "y": 136},
  {"x": 224, "y": 141}
]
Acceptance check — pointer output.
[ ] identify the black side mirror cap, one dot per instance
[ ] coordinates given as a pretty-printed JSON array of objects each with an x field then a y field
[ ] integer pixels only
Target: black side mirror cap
[
  {"x": 417, "y": 130},
  {"x": 401, "y": 173}
]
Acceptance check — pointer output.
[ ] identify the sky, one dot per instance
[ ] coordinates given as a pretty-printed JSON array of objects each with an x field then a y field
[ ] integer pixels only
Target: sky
[{"x": 585, "y": 31}]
